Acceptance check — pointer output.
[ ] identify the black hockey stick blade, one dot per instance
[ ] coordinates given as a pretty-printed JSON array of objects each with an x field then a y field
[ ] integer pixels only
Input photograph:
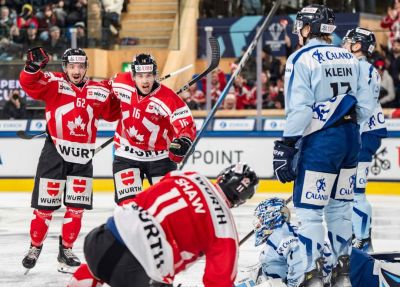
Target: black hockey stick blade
[
  {"x": 244, "y": 239},
  {"x": 24, "y": 135},
  {"x": 215, "y": 57},
  {"x": 103, "y": 145}
]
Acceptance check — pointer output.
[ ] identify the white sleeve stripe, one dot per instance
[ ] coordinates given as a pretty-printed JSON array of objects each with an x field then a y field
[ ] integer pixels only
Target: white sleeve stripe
[
  {"x": 124, "y": 86},
  {"x": 162, "y": 104}
]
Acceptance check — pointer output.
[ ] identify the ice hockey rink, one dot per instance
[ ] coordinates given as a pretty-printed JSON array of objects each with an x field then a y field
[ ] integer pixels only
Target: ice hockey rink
[{"x": 15, "y": 216}]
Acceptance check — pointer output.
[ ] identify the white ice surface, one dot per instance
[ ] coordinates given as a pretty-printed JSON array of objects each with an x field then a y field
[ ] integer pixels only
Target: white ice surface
[{"x": 15, "y": 216}]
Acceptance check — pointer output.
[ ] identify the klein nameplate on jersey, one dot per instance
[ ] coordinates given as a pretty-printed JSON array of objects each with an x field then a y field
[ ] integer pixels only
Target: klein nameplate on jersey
[
  {"x": 327, "y": 113},
  {"x": 65, "y": 88},
  {"x": 79, "y": 190},
  {"x": 128, "y": 183},
  {"x": 143, "y": 68},
  {"x": 50, "y": 192},
  {"x": 97, "y": 93},
  {"x": 74, "y": 152},
  {"x": 76, "y": 59},
  {"x": 317, "y": 187},
  {"x": 145, "y": 238},
  {"x": 346, "y": 184}
]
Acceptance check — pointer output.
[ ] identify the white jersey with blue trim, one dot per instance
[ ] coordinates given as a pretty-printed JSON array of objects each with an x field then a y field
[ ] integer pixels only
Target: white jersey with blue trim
[
  {"x": 376, "y": 122},
  {"x": 321, "y": 86},
  {"x": 281, "y": 257}
]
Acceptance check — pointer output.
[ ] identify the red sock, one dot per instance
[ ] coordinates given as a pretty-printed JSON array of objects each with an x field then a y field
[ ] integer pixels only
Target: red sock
[
  {"x": 71, "y": 226},
  {"x": 40, "y": 226},
  {"x": 84, "y": 278}
]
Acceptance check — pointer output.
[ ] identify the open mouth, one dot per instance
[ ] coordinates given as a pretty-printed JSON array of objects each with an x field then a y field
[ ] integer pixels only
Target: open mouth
[{"x": 76, "y": 77}]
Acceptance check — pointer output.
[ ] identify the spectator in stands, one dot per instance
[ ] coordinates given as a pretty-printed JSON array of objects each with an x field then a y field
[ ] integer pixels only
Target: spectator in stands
[
  {"x": 251, "y": 7},
  {"x": 387, "y": 96},
  {"x": 47, "y": 20},
  {"x": 61, "y": 14},
  {"x": 26, "y": 18},
  {"x": 94, "y": 30},
  {"x": 81, "y": 39},
  {"x": 77, "y": 12},
  {"x": 5, "y": 22},
  {"x": 243, "y": 94},
  {"x": 55, "y": 45},
  {"x": 197, "y": 96},
  {"x": 111, "y": 22},
  {"x": 186, "y": 97},
  {"x": 392, "y": 22},
  {"x": 230, "y": 102},
  {"x": 393, "y": 64},
  {"x": 14, "y": 108},
  {"x": 29, "y": 37},
  {"x": 274, "y": 98}
]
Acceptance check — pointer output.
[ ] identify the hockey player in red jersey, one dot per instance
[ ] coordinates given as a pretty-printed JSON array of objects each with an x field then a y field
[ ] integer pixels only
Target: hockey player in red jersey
[
  {"x": 167, "y": 228},
  {"x": 73, "y": 107},
  {"x": 154, "y": 133}
]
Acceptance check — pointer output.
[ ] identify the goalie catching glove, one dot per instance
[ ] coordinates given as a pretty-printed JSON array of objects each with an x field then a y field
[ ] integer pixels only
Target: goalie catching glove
[
  {"x": 284, "y": 160},
  {"x": 179, "y": 148},
  {"x": 36, "y": 59}
]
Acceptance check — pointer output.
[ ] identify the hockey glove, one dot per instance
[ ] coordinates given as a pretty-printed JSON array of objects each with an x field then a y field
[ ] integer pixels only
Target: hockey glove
[
  {"x": 37, "y": 58},
  {"x": 178, "y": 148},
  {"x": 283, "y": 161}
]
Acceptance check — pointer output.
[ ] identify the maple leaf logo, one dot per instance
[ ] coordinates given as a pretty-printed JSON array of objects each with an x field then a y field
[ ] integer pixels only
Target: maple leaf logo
[
  {"x": 77, "y": 123},
  {"x": 133, "y": 132}
]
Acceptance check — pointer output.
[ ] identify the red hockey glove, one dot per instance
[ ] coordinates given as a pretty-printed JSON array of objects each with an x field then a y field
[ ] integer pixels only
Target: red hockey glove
[
  {"x": 179, "y": 148},
  {"x": 37, "y": 58}
]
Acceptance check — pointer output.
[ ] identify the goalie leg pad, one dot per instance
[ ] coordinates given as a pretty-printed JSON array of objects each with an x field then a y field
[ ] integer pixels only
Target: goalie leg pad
[
  {"x": 71, "y": 225},
  {"x": 40, "y": 225}
]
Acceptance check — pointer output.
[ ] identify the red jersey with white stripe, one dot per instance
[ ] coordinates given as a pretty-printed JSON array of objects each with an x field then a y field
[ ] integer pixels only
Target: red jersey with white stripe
[
  {"x": 176, "y": 221},
  {"x": 72, "y": 113},
  {"x": 148, "y": 124}
]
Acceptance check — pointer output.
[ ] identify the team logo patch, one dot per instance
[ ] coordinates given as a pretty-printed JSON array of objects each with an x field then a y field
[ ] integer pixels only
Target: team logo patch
[
  {"x": 53, "y": 188},
  {"x": 127, "y": 178},
  {"x": 346, "y": 184},
  {"x": 79, "y": 190},
  {"x": 50, "y": 192},
  {"x": 79, "y": 185},
  {"x": 77, "y": 127},
  {"x": 127, "y": 183},
  {"x": 318, "y": 56},
  {"x": 317, "y": 187}
]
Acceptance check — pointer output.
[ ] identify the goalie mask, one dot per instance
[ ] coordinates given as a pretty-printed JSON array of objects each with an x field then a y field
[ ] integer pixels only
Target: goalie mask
[
  {"x": 238, "y": 182},
  {"x": 144, "y": 63},
  {"x": 365, "y": 37},
  {"x": 320, "y": 19},
  {"x": 270, "y": 214}
]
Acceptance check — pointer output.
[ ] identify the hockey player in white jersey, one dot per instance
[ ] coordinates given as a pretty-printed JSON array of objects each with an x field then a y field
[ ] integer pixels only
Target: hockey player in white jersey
[
  {"x": 361, "y": 42},
  {"x": 324, "y": 102}
]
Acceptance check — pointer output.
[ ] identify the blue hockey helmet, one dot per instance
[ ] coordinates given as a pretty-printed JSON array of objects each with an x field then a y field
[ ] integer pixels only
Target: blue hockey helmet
[
  {"x": 321, "y": 20},
  {"x": 269, "y": 215},
  {"x": 363, "y": 36},
  {"x": 238, "y": 182}
]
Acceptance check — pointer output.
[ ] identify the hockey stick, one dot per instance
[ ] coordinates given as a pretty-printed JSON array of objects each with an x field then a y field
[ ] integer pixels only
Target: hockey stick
[
  {"x": 175, "y": 73},
  {"x": 24, "y": 135},
  {"x": 215, "y": 57},
  {"x": 244, "y": 239},
  {"x": 231, "y": 80}
]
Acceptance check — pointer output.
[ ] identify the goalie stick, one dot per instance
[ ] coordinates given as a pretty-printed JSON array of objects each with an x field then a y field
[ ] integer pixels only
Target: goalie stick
[{"x": 231, "y": 80}]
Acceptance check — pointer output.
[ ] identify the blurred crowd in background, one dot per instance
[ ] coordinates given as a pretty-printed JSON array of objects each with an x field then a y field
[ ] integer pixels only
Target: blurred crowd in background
[{"x": 49, "y": 23}]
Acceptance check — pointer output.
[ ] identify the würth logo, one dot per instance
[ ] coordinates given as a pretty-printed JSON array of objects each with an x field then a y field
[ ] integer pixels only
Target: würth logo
[
  {"x": 79, "y": 185},
  {"x": 128, "y": 177},
  {"x": 53, "y": 188}
]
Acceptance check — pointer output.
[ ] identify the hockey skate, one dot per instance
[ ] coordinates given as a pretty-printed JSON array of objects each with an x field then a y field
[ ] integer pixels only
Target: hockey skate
[
  {"x": 68, "y": 261},
  {"x": 314, "y": 278},
  {"x": 341, "y": 273},
  {"x": 31, "y": 257}
]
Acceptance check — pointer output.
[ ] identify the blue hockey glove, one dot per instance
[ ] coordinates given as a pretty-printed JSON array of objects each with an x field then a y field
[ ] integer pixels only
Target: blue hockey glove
[{"x": 284, "y": 155}]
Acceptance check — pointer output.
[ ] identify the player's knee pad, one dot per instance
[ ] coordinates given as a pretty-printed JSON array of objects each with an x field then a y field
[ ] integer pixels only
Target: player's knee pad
[
  {"x": 40, "y": 225},
  {"x": 346, "y": 184},
  {"x": 71, "y": 225},
  {"x": 49, "y": 193},
  {"x": 362, "y": 173},
  {"x": 128, "y": 183},
  {"x": 84, "y": 278},
  {"x": 79, "y": 191}
]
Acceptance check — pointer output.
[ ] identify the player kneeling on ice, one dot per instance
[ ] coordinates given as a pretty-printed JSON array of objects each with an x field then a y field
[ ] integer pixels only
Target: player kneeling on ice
[
  {"x": 168, "y": 227},
  {"x": 73, "y": 106},
  {"x": 280, "y": 258}
]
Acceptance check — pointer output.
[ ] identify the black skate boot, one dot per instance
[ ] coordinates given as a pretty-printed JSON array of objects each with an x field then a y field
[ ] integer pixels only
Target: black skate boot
[
  {"x": 31, "y": 257},
  {"x": 314, "y": 278},
  {"x": 341, "y": 273},
  {"x": 68, "y": 261}
]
